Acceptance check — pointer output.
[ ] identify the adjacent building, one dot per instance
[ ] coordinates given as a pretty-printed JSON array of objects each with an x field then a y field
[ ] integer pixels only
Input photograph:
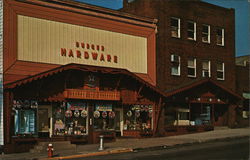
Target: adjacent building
[
  {"x": 195, "y": 46},
  {"x": 242, "y": 87}
]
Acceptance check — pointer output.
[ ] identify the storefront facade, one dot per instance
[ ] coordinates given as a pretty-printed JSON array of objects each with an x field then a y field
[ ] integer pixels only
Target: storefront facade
[
  {"x": 79, "y": 108},
  {"x": 74, "y": 71},
  {"x": 199, "y": 107}
]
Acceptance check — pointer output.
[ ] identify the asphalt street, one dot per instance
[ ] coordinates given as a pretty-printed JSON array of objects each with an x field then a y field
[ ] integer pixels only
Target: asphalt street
[{"x": 233, "y": 149}]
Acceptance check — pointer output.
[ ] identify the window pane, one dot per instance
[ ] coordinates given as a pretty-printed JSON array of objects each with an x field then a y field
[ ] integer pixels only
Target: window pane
[
  {"x": 191, "y": 62},
  {"x": 191, "y": 34},
  {"x": 191, "y": 71},
  {"x": 219, "y": 39},
  {"x": 205, "y": 65},
  {"x": 174, "y": 33},
  {"x": 174, "y": 22},
  {"x": 220, "y": 75},
  {"x": 204, "y": 38},
  {"x": 220, "y": 66},
  {"x": 205, "y": 73},
  {"x": 205, "y": 29},
  {"x": 190, "y": 26},
  {"x": 219, "y": 32},
  {"x": 174, "y": 70}
]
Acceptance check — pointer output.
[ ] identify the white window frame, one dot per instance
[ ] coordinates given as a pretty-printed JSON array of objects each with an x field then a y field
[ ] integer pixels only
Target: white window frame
[
  {"x": 193, "y": 67},
  {"x": 204, "y": 33},
  {"x": 178, "y": 27},
  {"x": 194, "y": 31},
  {"x": 209, "y": 69},
  {"x": 222, "y": 37},
  {"x": 173, "y": 61},
  {"x": 223, "y": 71}
]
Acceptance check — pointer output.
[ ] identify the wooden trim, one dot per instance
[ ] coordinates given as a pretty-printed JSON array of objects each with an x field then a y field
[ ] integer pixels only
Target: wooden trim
[
  {"x": 8, "y": 97},
  {"x": 93, "y": 95}
]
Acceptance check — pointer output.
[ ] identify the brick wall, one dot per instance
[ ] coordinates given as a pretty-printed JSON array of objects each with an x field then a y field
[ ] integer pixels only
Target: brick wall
[{"x": 201, "y": 13}]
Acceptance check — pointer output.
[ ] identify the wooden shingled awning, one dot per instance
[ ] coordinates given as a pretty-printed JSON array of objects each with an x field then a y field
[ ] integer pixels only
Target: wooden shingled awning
[{"x": 81, "y": 67}]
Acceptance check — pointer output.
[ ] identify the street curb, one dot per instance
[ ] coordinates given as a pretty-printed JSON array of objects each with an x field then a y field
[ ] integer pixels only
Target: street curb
[
  {"x": 187, "y": 144},
  {"x": 93, "y": 154},
  {"x": 125, "y": 150}
]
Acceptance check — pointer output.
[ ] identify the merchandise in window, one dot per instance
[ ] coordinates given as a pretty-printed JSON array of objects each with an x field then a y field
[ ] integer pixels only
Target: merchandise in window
[
  {"x": 104, "y": 117},
  {"x": 220, "y": 71},
  {"x": 175, "y": 27},
  {"x": 70, "y": 118},
  {"x": 191, "y": 31},
  {"x": 175, "y": 65},
  {"x": 25, "y": 117},
  {"x": 206, "y": 69},
  {"x": 205, "y": 33},
  {"x": 138, "y": 117},
  {"x": 220, "y": 37},
  {"x": 191, "y": 67}
]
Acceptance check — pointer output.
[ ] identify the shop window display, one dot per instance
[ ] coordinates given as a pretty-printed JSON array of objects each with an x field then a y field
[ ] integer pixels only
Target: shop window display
[
  {"x": 70, "y": 119},
  {"x": 138, "y": 117},
  {"x": 24, "y": 117},
  {"x": 104, "y": 117}
]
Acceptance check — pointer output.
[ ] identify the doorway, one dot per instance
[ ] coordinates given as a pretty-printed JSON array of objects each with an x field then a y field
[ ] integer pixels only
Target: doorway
[
  {"x": 119, "y": 121},
  {"x": 44, "y": 121}
]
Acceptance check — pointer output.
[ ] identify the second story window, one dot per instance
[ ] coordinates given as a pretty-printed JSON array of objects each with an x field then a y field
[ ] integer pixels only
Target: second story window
[
  {"x": 191, "y": 67},
  {"x": 220, "y": 36},
  {"x": 175, "y": 65},
  {"x": 191, "y": 30},
  {"x": 175, "y": 27},
  {"x": 206, "y": 69},
  {"x": 220, "y": 71},
  {"x": 205, "y": 33}
]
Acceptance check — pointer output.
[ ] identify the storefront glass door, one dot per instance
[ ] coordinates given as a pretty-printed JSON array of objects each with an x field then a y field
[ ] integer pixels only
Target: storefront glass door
[
  {"x": 119, "y": 121},
  {"x": 44, "y": 121}
]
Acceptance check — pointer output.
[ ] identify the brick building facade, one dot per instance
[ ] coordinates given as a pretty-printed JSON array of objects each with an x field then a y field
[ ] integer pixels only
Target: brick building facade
[
  {"x": 195, "y": 56},
  {"x": 193, "y": 32}
]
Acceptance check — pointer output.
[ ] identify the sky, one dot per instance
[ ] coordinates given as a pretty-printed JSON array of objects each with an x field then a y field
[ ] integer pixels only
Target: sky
[{"x": 242, "y": 19}]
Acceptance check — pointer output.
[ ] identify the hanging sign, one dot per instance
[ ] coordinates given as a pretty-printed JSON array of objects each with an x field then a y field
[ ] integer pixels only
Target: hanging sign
[{"x": 104, "y": 107}]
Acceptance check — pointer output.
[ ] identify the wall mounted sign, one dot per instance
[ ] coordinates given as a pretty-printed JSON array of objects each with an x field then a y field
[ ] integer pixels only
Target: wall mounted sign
[{"x": 47, "y": 41}]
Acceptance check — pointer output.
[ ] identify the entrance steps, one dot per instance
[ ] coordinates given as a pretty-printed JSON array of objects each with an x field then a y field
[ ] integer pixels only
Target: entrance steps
[{"x": 41, "y": 147}]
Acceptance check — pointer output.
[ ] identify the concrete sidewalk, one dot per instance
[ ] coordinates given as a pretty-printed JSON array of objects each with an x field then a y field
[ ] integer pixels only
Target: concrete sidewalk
[{"x": 128, "y": 145}]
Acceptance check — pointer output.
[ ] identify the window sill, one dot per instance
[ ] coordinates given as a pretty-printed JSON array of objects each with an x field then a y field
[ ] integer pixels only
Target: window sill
[
  {"x": 189, "y": 76},
  {"x": 176, "y": 75},
  {"x": 220, "y": 79},
  {"x": 176, "y": 37},
  {"x": 191, "y": 39},
  {"x": 220, "y": 45},
  {"x": 206, "y": 42}
]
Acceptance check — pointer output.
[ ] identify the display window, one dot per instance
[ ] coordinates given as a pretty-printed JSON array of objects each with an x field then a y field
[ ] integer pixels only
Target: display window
[
  {"x": 70, "y": 118},
  {"x": 24, "y": 112},
  {"x": 138, "y": 117},
  {"x": 104, "y": 117}
]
